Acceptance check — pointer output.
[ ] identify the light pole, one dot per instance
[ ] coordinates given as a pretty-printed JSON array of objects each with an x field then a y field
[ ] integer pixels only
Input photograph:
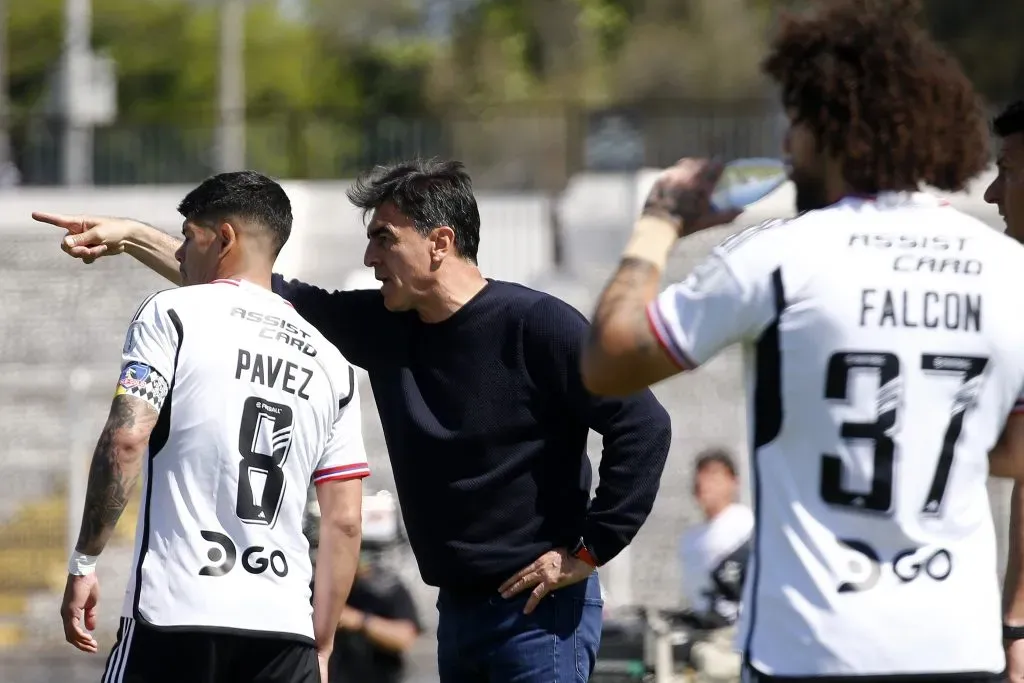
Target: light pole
[
  {"x": 231, "y": 87},
  {"x": 5, "y": 146},
  {"x": 75, "y": 77}
]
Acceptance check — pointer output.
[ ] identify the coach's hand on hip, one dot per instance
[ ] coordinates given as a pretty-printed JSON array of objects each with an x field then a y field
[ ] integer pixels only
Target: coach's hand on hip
[
  {"x": 553, "y": 570},
  {"x": 78, "y": 610},
  {"x": 681, "y": 196}
]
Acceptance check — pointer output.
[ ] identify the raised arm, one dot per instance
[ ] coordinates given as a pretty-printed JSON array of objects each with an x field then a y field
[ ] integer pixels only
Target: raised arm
[
  {"x": 91, "y": 237},
  {"x": 624, "y": 352}
]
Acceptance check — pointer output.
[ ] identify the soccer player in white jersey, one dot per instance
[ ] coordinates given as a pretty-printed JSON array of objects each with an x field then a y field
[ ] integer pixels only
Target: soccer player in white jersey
[
  {"x": 884, "y": 344},
  {"x": 229, "y": 404},
  {"x": 1007, "y": 192}
]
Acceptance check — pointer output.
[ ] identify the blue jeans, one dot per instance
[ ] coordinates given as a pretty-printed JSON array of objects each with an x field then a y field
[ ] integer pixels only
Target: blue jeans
[{"x": 488, "y": 639}]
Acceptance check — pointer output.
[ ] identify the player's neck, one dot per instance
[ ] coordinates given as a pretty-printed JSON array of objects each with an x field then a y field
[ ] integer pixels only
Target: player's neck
[
  {"x": 460, "y": 282},
  {"x": 256, "y": 276}
]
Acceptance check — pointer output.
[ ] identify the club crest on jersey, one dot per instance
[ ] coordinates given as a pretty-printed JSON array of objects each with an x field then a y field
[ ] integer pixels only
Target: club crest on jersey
[{"x": 133, "y": 376}]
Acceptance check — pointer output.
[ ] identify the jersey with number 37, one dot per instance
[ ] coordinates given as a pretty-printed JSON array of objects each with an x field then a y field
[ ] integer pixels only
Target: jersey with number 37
[
  {"x": 884, "y": 349},
  {"x": 258, "y": 404}
]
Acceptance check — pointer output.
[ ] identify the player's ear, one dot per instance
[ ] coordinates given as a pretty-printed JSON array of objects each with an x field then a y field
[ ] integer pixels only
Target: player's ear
[{"x": 227, "y": 236}]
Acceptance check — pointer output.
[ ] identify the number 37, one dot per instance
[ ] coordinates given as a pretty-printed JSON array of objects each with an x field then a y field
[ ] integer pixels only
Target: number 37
[{"x": 887, "y": 365}]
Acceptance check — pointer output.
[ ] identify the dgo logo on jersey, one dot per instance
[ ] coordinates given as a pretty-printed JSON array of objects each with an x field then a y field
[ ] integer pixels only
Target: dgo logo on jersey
[
  {"x": 907, "y": 565},
  {"x": 255, "y": 559}
]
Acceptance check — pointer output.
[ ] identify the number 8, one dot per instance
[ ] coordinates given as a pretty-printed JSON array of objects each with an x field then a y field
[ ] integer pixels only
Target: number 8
[{"x": 264, "y": 440}]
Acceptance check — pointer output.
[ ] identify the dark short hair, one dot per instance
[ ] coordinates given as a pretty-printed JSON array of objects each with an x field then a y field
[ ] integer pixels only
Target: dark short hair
[
  {"x": 715, "y": 456},
  {"x": 1010, "y": 121},
  {"x": 430, "y": 192},
  {"x": 878, "y": 92},
  {"x": 247, "y": 195}
]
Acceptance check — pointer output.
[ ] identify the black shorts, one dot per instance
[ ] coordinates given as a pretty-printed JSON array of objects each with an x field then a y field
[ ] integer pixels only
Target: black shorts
[{"x": 144, "y": 654}]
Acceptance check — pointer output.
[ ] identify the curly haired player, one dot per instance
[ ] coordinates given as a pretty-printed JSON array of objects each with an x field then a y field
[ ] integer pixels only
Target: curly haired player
[{"x": 885, "y": 352}]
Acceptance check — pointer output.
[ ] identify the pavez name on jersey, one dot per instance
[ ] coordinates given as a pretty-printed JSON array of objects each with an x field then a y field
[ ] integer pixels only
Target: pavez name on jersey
[
  {"x": 885, "y": 350},
  {"x": 257, "y": 405}
]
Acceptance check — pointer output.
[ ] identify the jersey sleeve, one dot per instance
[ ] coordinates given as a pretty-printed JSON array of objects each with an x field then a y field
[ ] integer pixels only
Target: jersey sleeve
[
  {"x": 148, "y": 356},
  {"x": 730, "y": 297},
  {"x": 344, "y": 456}
]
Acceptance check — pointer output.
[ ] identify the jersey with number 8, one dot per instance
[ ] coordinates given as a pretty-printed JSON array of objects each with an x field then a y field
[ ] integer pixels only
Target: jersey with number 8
[
  {"x": 259, "y": 405},
  {"x": 884, "y": 345}
]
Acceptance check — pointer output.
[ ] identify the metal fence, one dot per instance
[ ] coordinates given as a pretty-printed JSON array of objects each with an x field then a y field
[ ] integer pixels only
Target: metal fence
[{"x": 535, "y": 146}]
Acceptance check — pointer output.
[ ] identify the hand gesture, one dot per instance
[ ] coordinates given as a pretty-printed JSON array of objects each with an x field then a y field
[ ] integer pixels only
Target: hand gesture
[
  {"x": 681, "y": 195},
  {"x": 78, "y": 611},
  {"x": 553, "y": 570},
  {"x": 90, "y": 237}
]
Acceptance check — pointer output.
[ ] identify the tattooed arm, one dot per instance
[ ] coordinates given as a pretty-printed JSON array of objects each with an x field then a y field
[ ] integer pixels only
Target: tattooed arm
[
  {"x": 623, "y": 353},
  {"x": 115, "y": 468},
  {"x": 116, "y": 464}
]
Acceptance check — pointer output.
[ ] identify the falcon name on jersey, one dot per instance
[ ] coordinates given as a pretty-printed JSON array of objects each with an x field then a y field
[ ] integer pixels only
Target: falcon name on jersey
[
  {"x": 259, "y": 405},
  {"x": 884, "y": 351}
]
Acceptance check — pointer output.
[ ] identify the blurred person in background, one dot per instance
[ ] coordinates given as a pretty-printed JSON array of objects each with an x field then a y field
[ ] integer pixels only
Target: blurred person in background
[
  {"x": 379, "y": 623},
  {"x": 714, "y": 560},
  {"x": 219, "y": 587},
  {"x": 1007, "y": 192},
  {"x": 477, "y": 383},
  {"x": 884, "y": 340}
]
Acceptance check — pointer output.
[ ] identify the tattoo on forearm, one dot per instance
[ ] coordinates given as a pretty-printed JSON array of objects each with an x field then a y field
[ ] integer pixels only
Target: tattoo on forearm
[
  {"x": 627, "y": 295},
  {"x": 112, "y": 477}
]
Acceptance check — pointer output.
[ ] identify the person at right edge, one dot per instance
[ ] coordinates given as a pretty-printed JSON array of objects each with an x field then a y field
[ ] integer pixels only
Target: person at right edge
[
  {"x": 1007, "y": 192},
  {"x": 884, "y": 338}
]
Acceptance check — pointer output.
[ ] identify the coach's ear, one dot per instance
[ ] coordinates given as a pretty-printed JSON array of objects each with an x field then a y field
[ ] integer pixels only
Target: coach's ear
[{"x": 1007, "y": 458}]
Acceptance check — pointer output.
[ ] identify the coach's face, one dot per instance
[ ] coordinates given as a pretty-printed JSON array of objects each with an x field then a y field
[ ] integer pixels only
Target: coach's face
[
  {"x": 401, "y": 258},
  {"x": 1007, "y": 190},
  {"x": 199, "y": 255},
  {"x": 807, "y": 165}
]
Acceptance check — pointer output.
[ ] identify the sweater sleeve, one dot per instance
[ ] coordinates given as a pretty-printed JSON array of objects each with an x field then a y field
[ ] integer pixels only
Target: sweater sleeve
[
  {"x": 354, "y": 321},
  {"x": 636, "y": 428}
]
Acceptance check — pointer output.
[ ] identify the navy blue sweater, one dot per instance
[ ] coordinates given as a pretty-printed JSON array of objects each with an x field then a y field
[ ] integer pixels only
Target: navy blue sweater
[{"x": 486, "y": 422}]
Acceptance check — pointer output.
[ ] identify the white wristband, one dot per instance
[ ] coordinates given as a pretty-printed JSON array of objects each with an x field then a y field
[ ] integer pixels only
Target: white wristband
[{"x": 81, "y": 564}]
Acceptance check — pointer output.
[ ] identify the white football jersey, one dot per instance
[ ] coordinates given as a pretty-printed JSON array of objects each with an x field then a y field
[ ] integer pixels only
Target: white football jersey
[
  {"x": 259, "y": 405},
  {"x": 884, "y": 349}
]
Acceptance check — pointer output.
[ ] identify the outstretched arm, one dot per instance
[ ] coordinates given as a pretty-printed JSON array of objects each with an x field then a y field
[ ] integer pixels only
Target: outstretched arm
[{"x": 90, "y": 237}]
